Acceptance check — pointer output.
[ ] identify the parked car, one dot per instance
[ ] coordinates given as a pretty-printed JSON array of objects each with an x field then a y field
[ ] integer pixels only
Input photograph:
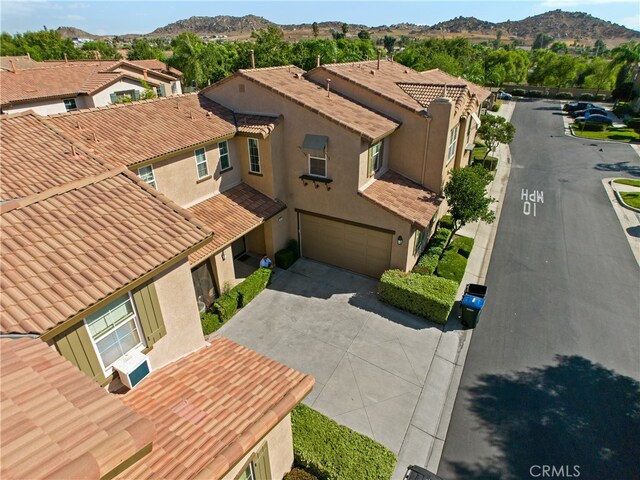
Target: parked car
[
  {"x": 502, "y": 95},
  {"x": 595, "y": 118},
  {"x": 573, "y": 106},
  {"x": 588, "y": 111}
]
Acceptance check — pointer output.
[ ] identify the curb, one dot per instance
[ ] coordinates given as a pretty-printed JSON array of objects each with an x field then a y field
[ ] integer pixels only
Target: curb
[{"x": 619, "y": 197}]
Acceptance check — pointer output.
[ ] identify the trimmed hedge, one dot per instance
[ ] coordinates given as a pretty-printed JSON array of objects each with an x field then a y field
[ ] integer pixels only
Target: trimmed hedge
[
  {"x": 463, "y": 245},
  {"x": 428, "y": 262},
  {"x": 252, "y": 286},
  {"x": 586, "y": 96},
  {"x": 294, "y": 247},
  {"x": 333, "y": 452},
  {"x": 453, "y": 263},
  {"x": 591, "y": 126},
  {"x": 564, "y": 95},
  {"x": 210, "y": 322},
  {"x": 496, "y": 106},
  {"x": 600, "y": 97},
  {"x": 446, "y": 222},
  {"x": 226, "y": 305},
  {"x": 288, "y": 255},
  {"x": 299, "y": 474},
  {"x": 633, "y": 123},
  {"x": 535, "y": 94},
  {"x": 518, "y": 92},
  {"x": 425, "y": 295}
]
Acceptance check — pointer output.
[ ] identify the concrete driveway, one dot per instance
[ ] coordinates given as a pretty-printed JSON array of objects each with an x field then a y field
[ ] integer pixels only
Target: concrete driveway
[{"x": 380, "y": 371}]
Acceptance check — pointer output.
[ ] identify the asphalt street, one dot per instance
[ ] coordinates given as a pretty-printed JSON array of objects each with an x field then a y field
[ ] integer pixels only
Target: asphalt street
[{"x": 550, "y": 385}]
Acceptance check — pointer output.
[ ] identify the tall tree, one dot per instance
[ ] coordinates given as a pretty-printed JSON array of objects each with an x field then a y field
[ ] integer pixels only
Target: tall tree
[
  {"x": 364, "y": 35},
  {"x": 316, "y": 29},
  {"x": 495, "y": 130},
  {"x": 188, "y": 57},
  {"x": 143, "y": 49},
  {"x": 388, "y": 42},
  {"x": 627, "y": 55}
]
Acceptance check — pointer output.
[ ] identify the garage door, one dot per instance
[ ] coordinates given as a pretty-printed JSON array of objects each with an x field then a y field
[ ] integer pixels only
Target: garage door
[{"x": 354, "y": 247}]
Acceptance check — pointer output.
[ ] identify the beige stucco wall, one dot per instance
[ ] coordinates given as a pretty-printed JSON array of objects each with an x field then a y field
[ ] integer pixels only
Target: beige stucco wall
[
  {"x": 346, "y": 155},
  {"x": 280, "y": 445},
  {"x": 263, "y": 182},
  {"x": 177, "y": 299},
  {"x": 177, "y": 176},
  {"x": 223, "y": 269},
  {"x": 48, "y": 107},
  {"x": 103, "y": 97},
  {"x": 151, "y": 77}
]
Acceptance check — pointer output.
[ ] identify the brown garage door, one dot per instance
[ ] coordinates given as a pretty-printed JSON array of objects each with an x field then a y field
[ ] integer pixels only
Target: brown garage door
[{"x": 358, "y": 248}]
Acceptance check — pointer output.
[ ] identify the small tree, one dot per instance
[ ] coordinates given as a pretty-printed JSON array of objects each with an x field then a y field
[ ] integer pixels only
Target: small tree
[
  {"x": 466, "y": 194},
  {"x": 388, "y": 42},
  {"x": 316, "y": 29},
  {"x": 364, "y": 35},
  {"x": 345, "y": 29},
  {"x": 495, "y": 130}
]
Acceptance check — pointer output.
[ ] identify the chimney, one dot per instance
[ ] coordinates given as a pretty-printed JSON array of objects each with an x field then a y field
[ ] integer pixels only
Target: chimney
[
  {"x": 391, "y": 58},
  {"x": 28, "y": 55},
  {"x": 66, "y": 59},
  {"x": 328, "y": 87},
  {"x": 95, "y": 54},
  {"x": 445, "y": 90},
  {"x": 379, "y": 57},
  {"x": 146, "y": 77},
  {"x": 253, "y": 59},
  {"x": 13, "y": 67},
  {"x": 317, "y": 60}
]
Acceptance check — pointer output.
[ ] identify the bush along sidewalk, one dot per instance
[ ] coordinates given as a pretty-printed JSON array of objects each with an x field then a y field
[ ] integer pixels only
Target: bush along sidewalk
[
  {"x": 428, "y": 262},
  {"x": 227, "y": 305},
  {"x": 287, "y": 256},
  {"x": 333, "y": 452},
  {"x": 453, "y": 263}
]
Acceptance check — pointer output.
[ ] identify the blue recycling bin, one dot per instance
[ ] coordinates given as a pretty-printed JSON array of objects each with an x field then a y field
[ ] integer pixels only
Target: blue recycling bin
[{"x": 471, "y": 307}]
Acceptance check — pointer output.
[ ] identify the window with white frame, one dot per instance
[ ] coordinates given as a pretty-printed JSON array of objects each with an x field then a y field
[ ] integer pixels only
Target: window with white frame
[
  {"x": 317, "y": 166},
  {"x": 248, "y": 473},
  {"x": 114, "y": 330},
  {"x": 146, "y": 174},
  {"x": 201, "y": 163},
  {"x": 419, "y": 242},
  {"x": 254, "y": 155},
  {"x": 223, "y": 150},
  {"x": 453, "y": 140},
  {"x": 70, "y": 104},
  {"x": 375, "y": 158}
]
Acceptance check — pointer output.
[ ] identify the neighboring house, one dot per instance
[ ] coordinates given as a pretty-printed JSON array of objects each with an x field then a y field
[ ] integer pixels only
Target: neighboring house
[
  {"x": 54, "y": 87},
  {"x": 95, "y": 269},
  {"x": 195, "y": 152}
]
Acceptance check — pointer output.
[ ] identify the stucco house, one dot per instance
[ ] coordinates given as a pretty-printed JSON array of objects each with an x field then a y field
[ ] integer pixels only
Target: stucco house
[
  {"x": 58, "y": 86},
  {"x": 96, "y": 271}
]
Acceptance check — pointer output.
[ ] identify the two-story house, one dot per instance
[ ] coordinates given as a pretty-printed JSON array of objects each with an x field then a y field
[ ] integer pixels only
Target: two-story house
[{"x": 54, "y": 87}]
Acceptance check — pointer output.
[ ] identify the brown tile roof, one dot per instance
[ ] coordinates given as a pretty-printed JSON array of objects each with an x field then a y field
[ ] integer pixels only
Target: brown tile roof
[
  {"x": 35, "y": 157},
  {"x": 126, "y": 134},
  {"x": 67, "y": 249},
  {"x": 384, "y": 81},
  {"x": 288, "y": 82},
  {"x": 19, "y": 62},
  {"x": 425, "y": 93},
  {"x": 58, "y": 423},
  {"x": 155, "y": 65},
  {"x": 402, "y": 197},
  {"x": 231, "y": 214},
  {"x": 54, "y": 82},
  {"x": 210, "y": 408},
  {"x": 250, "y": 124}
]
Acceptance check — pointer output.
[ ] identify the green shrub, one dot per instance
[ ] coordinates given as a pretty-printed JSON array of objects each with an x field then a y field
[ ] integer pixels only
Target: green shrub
[
  {"x": 428, "y": 262},
  {"x": 623, "y": 108},
  {"x": 294, "y": 247},
  {"x": 334, "y": 452},
  {"x": 299, "y": 474},
  {"x": 285, "y": 258},
  {"x": 446, "y": 222},
  {"x": 586, "y": 96},
  {"x": 591, "y": 126},
  {"x": 535, "y": 94},
  {"x": 600, "y": 97},
  {"x": 428, "y": 296},
  {"x": 496, "y": 106},
  {"x": 252, "y": 285},
  {"x": 210, "y": 322},
  {"x": 463, "y": 245},
  {"x": 518, "y": 92},
  {"x": 633, "y": 123},
  {"x": 564, "y": 95},
  {"x": 452, "y": 266},
  {"x": 226, "y": 305}
]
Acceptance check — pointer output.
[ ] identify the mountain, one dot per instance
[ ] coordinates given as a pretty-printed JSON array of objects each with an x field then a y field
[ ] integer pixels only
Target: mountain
[
  {"x": 464, "y": 25},
  {"x": 218, "y": 25},
  {"x": 72, "y": 32}
]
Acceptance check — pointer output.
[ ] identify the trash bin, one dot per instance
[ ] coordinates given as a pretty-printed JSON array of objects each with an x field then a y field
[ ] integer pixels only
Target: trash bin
[
  {"x": 476, "y": 290},
  {"x": 471, "y": 307}
]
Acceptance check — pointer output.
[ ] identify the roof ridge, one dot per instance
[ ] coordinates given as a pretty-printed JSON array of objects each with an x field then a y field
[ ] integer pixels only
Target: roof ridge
[{"x": 276, "y": 67}]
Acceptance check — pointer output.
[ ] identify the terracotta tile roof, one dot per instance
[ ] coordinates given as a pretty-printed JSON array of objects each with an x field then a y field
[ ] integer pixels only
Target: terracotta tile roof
[
  {"x": 251, "y": 124},
  {"x": 19, "y": 62},
  {"x": 210, "y": 408},
  {"x": 54, "y": 82},
  {"x": 126, "y": 134},
  {"x": 58, "y": 423},
  {"x": 231, "y": 214},
  {"x": 402, "y": 197},
  {"x": 66, "y": 249},
  {"x": 425, "y": 93},
  {"x": 384, "y": 81},
  {"x": 288, "y": 82},
  {"x": 32, "y": 151},
  {"x": 155, "y": 65}
]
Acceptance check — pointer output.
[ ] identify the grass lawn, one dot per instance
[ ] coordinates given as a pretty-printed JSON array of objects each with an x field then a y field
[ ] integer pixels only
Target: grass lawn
[
  {"x": 620, "y": 134},
  {"x": 631, "y": 198},
  {"x": 477, "y": 157},
  {"x": 628, "y": 181}
]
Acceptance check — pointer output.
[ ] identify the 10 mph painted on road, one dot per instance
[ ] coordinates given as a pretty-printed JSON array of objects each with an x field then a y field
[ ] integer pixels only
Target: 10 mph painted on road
[{"x": 531, "y": 201}]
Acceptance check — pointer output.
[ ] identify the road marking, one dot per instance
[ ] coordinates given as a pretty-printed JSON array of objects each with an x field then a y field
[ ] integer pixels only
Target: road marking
[{"x": 531, "y": 201}]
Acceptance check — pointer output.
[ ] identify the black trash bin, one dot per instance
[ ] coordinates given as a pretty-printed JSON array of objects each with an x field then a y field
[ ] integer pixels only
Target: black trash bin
[
  {"x": 476, "y": 290},
  {"x": 471, "y": 307}
]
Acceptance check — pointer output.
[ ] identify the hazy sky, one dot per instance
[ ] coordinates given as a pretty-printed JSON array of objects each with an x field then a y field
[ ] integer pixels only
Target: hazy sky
[{"x": 105, "y": 17}]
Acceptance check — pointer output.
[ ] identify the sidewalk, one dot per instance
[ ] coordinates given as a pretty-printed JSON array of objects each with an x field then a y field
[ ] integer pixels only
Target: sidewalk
[
  {"x": 443, "y": 379},
  {"x": 629, "y": 219}
]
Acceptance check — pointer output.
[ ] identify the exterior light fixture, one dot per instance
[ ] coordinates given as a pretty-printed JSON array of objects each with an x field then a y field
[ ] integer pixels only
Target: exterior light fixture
[
  {"x": 224, "y": 256},
  {"x": 400, "y": 240}
]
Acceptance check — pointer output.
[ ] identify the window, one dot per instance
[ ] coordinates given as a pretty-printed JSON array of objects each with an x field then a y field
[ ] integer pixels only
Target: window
[
  {"x": 203, "y": 284},
  {"x": 174, "y": 87},
  {"x": 70, "y": 104},
  {"x": 201, "y": 163},
  {"x": 318, "y": 166},
  {"x": 146, "y": 174},
  {"x": 375, "y": 158},
  {"x": 114, "y": 330},
  {"x": 254, "y": 155},
  {"x": 470, "y": 122},
  {"x": 453, "y": 140},
  {"x": 223, "y": 150},
  {"x": 419, "y": 242},
  {"x": 248, "y": 473}
]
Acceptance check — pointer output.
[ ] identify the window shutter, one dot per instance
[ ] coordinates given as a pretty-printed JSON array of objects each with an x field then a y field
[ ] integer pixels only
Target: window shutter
[
  {"x": 261, "y": 465},
  {"x": 136, "y": 95},
  {"x": 163, "y": 90},
  {"x": 370, "y": 163},
  {"x": 113, "y": 98},
  {"x": 75, "y": 345},
  {"x": 149, "y": 314}
]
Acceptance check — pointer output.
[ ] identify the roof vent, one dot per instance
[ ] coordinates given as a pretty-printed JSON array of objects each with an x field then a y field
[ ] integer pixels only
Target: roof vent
[
  {"x": 297, "y": 75},
  {"x": 209, "y": 115},
  {"x": 328, "y": 87},
  {"x": 373, "y": 72}
]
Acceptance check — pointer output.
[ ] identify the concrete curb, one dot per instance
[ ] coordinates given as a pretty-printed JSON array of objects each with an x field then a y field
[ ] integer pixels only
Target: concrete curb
[
  {"x": 628, "y": 218},
  {"x": 617, "y": 190}
]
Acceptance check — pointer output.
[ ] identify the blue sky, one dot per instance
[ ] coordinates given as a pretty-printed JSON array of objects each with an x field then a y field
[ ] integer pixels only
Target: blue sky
[{"x": 120, "y": 17}]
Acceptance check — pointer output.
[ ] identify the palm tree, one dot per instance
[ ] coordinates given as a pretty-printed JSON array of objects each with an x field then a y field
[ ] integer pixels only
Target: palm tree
[{"x": 628, "y": 55}]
